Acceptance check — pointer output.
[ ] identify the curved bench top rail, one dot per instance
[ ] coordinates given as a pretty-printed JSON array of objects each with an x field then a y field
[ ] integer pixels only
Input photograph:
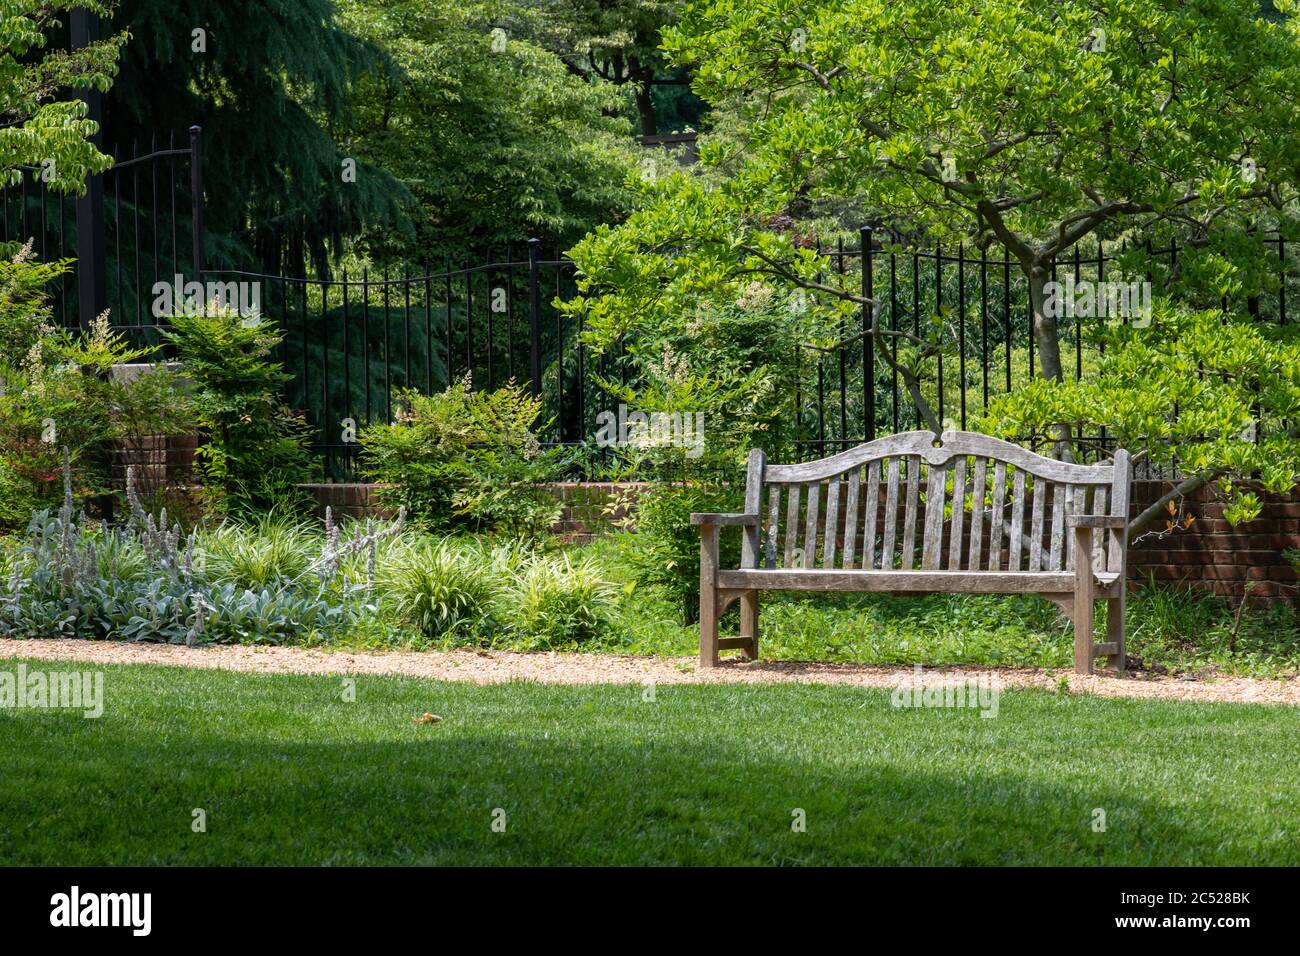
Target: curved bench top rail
[{"x": 951, "y": 444}]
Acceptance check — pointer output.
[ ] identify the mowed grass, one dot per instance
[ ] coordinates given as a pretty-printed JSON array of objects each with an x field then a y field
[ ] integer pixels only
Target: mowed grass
[{"x": 288, "y": 772}]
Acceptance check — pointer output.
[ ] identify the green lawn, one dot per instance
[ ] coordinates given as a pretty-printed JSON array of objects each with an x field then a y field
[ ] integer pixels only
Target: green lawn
[{"x": 289, "y": 773}]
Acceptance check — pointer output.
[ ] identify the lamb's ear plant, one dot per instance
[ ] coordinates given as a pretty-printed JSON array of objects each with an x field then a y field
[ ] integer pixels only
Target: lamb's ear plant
[{"x": 144, "y": 579}]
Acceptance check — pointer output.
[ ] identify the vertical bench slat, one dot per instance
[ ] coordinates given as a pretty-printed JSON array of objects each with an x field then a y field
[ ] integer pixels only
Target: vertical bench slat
[
  {"x": 791, "y": 524},
  {"x": 750, "y": 543},
  {"x": 1059, "y": 493},
  {"x": 1078, "y": 506},
  {"x": 831, "y": 533},
  {"x": 851, "y": 518},
  {"x": 1119, "y": 507},
  {"x": 773, "y": 523},
  {"x": 936, "y": 490},
  {"x": 977, "y": 515},
  {"x": 958, "y": 512},
  {"x": 1099, "y": 536},
  {"x": 891, "y": 517},
  {"x": 872, "y": 505},
  {"x": 999, "y": 514},
  {"x": 1017, "y": 520},
  {"x": 1036, "y": 526},
  {"x": 909, "y": 511},
  {"x": 810, "y": 527}
]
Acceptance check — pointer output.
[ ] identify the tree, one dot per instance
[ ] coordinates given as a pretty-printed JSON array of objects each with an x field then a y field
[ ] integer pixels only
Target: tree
[
  {"x": 1035, "y": 125},
  {"x": 269, "y": 81},
  {"x": 618, "y": 41},
  {"x": 41, "y": 127},
  {"x": 494, "y": 137}
]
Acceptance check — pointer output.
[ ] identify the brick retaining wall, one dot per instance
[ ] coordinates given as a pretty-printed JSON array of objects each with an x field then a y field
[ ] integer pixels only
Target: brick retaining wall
[{"x": 1211, "y": 554}]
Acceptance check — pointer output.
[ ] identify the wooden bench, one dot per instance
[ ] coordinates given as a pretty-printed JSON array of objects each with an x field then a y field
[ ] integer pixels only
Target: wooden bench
[{"x": 993, "y": 518}]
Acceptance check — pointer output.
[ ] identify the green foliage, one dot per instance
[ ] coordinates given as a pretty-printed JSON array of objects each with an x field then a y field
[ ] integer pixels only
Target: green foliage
[
  {"x": 617, "y": 41},
  {"x": 664, "y": 550},
  {"x": 44, "y": 127},
  {"x": 557, "y": 603},
  {"x": 441, "y": 591},
  {"x": 270, "y": 87},
  {"x": 467, "y": 459},
  {"x": 497, "y": 146},
  {"x": 1216, "y": 392},
  {"x": 989, "y": 123},
  {"x": 254, "y": 448},
  {"x": 57, "y": 388}
]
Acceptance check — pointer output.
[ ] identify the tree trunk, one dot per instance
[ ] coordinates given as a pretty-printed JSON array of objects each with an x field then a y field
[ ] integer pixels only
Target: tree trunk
[
  {"x": 645, "y": 108},
  {"x": 1046, "y": 335},
  {"x": 1047, "y": 338}
]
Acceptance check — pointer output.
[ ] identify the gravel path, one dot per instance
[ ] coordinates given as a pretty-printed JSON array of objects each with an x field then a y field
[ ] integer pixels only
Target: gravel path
[{"x": 489, "y": 667}]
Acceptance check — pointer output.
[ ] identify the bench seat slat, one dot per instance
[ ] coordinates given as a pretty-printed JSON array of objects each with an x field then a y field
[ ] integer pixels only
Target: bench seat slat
[
  {"x": 999, "y": 514},
  {"x": 791, "y": 524},
  {"x": 936, "y": 489},
  {"x": 1036, "y": 526},
  {"x": 831, "y": 531},
  {"x": 773, "y": 523},
  {"x": 977, "y": 514},
  {"x": 810, "y": 527},
  {"x": 909, "y": 512},
  {"x": 851, "y": 519},
  {"x": 958, "y": 512},
  {"x": 948, "y": 582},
  {"x": 872, "y": 506},
  {"x": 1017, "y": 520},
  {"x": 1058, "y": 527},
  {"x": 891, "y": 516}
]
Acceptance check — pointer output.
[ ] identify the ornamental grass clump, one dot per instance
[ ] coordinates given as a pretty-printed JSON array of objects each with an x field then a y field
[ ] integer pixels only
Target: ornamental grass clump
[{"x": 557, "y": 602}]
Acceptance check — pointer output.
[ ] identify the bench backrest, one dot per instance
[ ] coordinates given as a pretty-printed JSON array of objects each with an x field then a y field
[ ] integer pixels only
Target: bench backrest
[{"x": 961, "y": 502}]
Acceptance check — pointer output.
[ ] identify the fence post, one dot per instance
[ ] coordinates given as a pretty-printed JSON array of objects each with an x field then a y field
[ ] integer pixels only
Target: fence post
[
  {"x": 196, "y": 194},
  {"x": 535, "y": 316},
  {"x": 868, "y": 340},
  {"x": 92, "y": 294}
]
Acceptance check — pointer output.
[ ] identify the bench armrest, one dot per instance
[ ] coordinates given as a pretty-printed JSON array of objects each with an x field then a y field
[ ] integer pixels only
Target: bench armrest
[
  {"x": 748, "y": 521},
  {"x": 1097, "y": 521}
]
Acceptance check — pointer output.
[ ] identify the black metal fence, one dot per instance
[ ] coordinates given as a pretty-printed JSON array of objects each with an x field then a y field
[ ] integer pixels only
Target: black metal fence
[
  {"x": 352, "y": 344},
  {"x": 146, "y": 229},
  {"x": 848, "y": 394}
]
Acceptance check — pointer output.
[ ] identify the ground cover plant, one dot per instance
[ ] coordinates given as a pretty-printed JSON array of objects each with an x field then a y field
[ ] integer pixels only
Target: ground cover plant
[{"x": 288, "y": 770}]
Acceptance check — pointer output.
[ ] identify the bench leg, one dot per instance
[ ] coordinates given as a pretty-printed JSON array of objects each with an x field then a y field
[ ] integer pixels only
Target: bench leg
[
  {"x": 749, "y": 623},
  {"x": 1083, "y": 601},
  {"x": 1115, "y": 627},
  {"x": 709, "y": 536}
]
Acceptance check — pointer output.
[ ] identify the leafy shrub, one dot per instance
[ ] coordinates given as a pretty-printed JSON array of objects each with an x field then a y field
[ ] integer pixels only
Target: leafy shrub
[
  {"x": 468, "y": 460},
  {"x": 664, "y": 551},
  {"x": 255, "y": 448},
  {"x": 557, "y": 602}
]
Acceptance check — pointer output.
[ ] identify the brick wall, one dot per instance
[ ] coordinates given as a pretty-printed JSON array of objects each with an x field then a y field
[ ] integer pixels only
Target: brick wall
[
  {"x": 1213, "y": 555},
  {"x": 1210, "y": 554},
  {"x": 347, "y": 500}
]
